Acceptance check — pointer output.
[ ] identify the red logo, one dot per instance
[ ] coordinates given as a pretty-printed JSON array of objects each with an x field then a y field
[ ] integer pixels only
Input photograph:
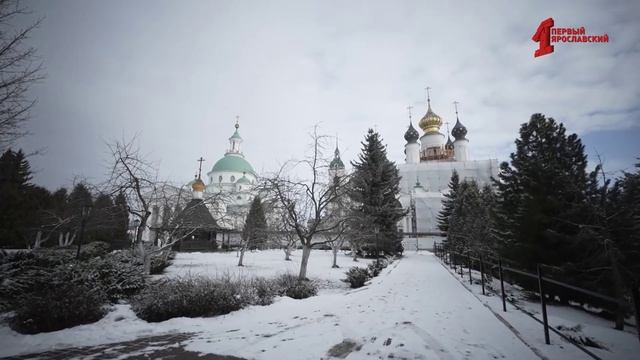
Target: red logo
[
  {"x": 547, "y": 34},
  {"x": 543, "y": 38}
]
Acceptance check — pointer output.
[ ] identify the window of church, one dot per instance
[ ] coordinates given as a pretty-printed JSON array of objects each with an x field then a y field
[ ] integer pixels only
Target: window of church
[
  {"x": 220, "y": 178},
  {"x": 233, "y": 178}
]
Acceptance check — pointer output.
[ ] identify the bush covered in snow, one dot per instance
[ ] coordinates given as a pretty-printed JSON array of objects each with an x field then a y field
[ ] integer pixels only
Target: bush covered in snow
[
  {"x": 302, "y": 290},
  {"x": 62, "y": 298},
  {"x": 202, "y": 296},
  {"x": 120, "y": 275},
  {"x": 357, "y": 277},
  {"x": 94, "y": 249},
  {"x": 375, "y": 267},
  {"x": 188, "y": 297},
  {"x": 160, "y": 261}
]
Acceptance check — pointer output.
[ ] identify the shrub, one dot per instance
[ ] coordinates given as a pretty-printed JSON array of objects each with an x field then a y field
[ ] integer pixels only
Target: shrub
[
  {"x": 119, "y": 276},
  {"x": 22, "y": 271},
  {"x": 261, "y": 291},
  {"x": 376, "y": 267},
  {"x": 357, "y": 277},
  {"x": 188, "y": 297},
  {"x": 289, "y": 285},
  {"x": 61, "y": 299},
  {"x": 94, "y": 249},
  {"x": 159, "y": 262},
  {"x": 302, "y": 290}
]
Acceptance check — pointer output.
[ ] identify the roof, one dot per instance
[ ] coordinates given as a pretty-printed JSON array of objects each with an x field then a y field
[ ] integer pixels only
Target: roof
[
  {"x": 244, "y": 180},
  {"x": 236, "y": 135},
  {"x": 233, "y": 163},
  {"x": 195, "y": 216}
]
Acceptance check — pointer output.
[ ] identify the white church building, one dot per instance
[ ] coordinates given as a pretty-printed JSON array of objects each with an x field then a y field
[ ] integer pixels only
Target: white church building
[{"x": 430, "y": 160}]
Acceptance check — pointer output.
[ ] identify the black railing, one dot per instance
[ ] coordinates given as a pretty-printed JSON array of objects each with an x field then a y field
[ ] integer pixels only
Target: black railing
[{"x": 455, "y": 259}]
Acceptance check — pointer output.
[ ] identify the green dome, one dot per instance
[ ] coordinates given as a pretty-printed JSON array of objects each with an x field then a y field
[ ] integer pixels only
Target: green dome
[
  {"x": 233, "y": 163},
  {"x": 244, "y": 180}
]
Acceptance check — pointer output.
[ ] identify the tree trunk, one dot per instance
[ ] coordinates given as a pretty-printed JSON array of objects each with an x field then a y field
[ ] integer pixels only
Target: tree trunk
[
  {"x": 618, "y": 289},
  {"x": 335, "y": 256},
  {"x": 38, "y": 240},
  {"x": 146, "y": 259},
  {"x": 241, "y": 256},
  {"x": 60, "y": 239},
  {"x": 287, "y": 253},
  {"x": 354, "y": 252},
  {"x": 306, "y": 251}
]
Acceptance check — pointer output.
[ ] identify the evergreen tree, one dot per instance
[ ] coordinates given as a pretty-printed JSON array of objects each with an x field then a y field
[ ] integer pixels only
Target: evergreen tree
[
  {"x": 447, "y": 203},
  {"x": 16, "y": 209},
  {"x": 541, "y": 194},
  {"x": 374, "y": 189},
  {"x": 121, "y": 222},
  {"x": 254, "y": 229},
  {"x": 468, "y": 219},
  {"x": 255, "y": 224},
  {"x": 102, "y": 225}
]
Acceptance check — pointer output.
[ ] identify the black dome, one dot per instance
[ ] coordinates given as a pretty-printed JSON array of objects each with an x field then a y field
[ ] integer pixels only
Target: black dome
[
  {"x": 449, "y": 144},
  {"x": 459, "y": 131},
  {"x": 411, "y": 135}
]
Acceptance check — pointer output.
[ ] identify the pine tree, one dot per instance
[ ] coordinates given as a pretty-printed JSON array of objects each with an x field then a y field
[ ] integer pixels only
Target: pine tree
[
  {"x": 541, "y": 194},
  {"x": 16, "y": 209},
  {"x": 447, "y": 203},
  {"x": 255, "y": 224},
  {"x": 253, "y": 233},
  {"x": 121, "y": 221},
  {"x": 374, "y": 189}
]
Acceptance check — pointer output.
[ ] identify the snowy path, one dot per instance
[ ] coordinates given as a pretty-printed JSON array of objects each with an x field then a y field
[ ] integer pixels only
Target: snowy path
[{"x": 414, "y": 310}]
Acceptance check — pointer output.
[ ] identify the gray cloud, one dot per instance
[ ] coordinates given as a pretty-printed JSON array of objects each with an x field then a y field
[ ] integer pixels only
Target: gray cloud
[{"x": 177, "y": 73}]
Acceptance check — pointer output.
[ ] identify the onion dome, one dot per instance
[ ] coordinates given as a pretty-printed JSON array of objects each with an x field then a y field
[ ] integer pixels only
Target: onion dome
[
  {"x": 430, "y": 122},
  {"x": 411, "y": 135},
  {"x": 459, "y": 131},
  {"x": 198, "y": 185},
  {"x": 449, "y": 144}
]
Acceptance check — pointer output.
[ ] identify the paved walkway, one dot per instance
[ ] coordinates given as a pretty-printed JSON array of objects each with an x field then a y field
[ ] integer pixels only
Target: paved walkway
[{"x": 155, "y": 347}]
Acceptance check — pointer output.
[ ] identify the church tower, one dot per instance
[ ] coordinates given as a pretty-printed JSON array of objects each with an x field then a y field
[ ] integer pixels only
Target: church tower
[
  {"x": 336, "y": 166},
  {"x": 461, "y": 144},
  {"x": 412, "y": 148},
  {"x": 432, "y": 142}
]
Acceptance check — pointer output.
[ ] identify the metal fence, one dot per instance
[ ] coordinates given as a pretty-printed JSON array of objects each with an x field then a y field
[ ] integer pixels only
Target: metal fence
[{"x": 457, "y": 261}]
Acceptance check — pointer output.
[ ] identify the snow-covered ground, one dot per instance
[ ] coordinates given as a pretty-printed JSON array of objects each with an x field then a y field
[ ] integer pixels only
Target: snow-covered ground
[
  {"x": 617, "y": 344},
  {"x": 268, "y": 263},
  {"x": 416, "y": 309}
]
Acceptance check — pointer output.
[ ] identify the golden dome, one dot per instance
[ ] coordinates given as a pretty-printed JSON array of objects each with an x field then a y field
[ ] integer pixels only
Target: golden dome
[
  {"x": 198, "y": 185},
  {"x": 430, "y": 122}
]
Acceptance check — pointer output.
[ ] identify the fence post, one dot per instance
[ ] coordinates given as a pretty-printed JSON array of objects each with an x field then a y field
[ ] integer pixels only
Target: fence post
[
  {"x": 504, "y": 301},
  {"x": 635, "y": 296},
  {"x": 544, "y": 306},
  {"x": 482, "y": 274},
  {"x": 469, "y": 265}
]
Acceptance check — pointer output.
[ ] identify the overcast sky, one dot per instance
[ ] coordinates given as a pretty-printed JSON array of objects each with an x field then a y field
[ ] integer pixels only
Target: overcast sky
[{"x": 178, "y": 72}]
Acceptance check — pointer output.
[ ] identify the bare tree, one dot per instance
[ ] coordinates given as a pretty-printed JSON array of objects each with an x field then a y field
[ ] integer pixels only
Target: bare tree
[
  {"x": 278, "y": 234},
  {"x": 305, "y": 201},
  {"x": 136, "y": 179},
  {"x": 18, "y": 70}
]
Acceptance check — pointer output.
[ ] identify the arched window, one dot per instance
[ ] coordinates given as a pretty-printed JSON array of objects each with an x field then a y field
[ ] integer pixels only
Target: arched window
[
  {"x": 220, "y": 178},
  {"x": 233, "y": 178}
]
